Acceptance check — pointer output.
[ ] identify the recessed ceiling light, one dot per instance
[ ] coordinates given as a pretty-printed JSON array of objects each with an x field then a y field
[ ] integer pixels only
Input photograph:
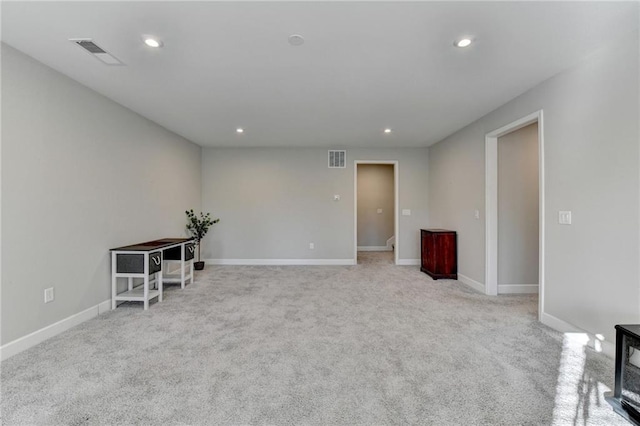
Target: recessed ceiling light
[
  {"x": 239, "y": 130},
  {"x": 296, "y": 40},
  {"x": 387, "y": 130},
  {"x": 463, "y": 42},
  {"x": 152, "y": 42}
]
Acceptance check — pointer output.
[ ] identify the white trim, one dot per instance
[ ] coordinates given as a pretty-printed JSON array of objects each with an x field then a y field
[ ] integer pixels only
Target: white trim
[
  {"x": 104, "y": 307},
  {"x": 476, "y": 285},
  {"x": 491, "y": 204},
  {"x": 408, "y": 262},
  {"x": 558, "y": 324},
  {"x": 279, "y": 261},
  {"x": 607, "y": 348},
  {"x": 396, "y": 196},
  {"x": 23, "y": 343},
  {"x": 374, "y": 248},
  {"x": 517, "y": 288}
]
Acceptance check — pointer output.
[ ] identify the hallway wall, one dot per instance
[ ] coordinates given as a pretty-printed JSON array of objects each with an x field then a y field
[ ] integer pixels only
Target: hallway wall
[{"x": 591, "y": 162}]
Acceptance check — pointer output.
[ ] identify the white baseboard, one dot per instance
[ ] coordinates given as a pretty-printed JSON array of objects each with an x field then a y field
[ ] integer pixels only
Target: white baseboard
[
  {"x": 280, "y": 261},
  {"x": 477, "y": 286},
  {"x": 558, "y": 324},
  {"x": 408, "y": 262},
  {"x": 517, "y": 288},
  {"x": 104, "y": 307},
  {"x": 607, "y": 348},
  {"x": 23, "y": 343},
  {"x": 374, "y": 248}
]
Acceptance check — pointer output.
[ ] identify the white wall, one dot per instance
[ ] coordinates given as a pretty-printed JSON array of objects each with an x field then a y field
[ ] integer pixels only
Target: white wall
[
  {"x": 80, "y": 175},
  {"x": 273, "y": 202},
  {"x": 591, "y": 168},
  {"x": 375, "y": 191},
  {"x": 518, "y": 207}
]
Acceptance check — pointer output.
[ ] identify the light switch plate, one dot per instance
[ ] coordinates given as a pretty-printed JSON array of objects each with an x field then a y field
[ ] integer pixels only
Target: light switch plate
[
  {"x": 48, "y": 295},
  {"x": 476, "y": 214},
  {"x": 336, "y": 197},
  {"x": 379, "y": 211},
  {"x": 564, "y": 217},
  {"x": 406, "y": 212}
]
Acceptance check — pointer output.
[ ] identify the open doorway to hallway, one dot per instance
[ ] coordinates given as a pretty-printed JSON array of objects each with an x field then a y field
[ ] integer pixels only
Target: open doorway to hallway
[
  {"x": 375, "y": 212},
  {"x": 515, "y": 205},
  {"x": 518, "y": 211}
]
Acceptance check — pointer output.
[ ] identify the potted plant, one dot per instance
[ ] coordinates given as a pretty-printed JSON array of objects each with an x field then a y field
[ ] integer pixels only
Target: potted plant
[{"x": 198, "y": 226}]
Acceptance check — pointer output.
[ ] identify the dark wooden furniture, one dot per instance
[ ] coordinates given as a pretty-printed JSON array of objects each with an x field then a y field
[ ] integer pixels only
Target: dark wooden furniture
[
  {"x": 626, "y": 394},
  {"x": 439, "y": 253}
]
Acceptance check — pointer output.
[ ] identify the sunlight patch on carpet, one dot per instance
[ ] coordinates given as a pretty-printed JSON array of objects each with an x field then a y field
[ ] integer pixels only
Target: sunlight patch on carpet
[{"x": 577, "y": 392}]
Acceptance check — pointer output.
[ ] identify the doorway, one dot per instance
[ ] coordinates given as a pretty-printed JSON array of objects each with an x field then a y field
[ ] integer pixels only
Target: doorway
[
  {"x": 512, "y": 228},
  {"x": 376, "y": 212}
]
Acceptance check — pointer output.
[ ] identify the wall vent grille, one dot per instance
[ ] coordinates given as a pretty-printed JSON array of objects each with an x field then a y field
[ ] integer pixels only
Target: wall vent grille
[{"x": 337, "y": 159}]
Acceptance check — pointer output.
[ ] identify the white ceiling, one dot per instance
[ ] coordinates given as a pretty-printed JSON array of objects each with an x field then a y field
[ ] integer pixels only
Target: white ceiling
[{"x": 364, "y": 65}]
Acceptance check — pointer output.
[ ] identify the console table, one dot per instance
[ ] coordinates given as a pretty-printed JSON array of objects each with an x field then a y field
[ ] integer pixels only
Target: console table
[
  {"x": 625, "y": 398},
  {"x": 145, "y": 260}
]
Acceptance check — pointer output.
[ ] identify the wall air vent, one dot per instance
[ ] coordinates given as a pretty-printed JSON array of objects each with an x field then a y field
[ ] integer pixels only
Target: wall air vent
[
  {"x": 337, "y": 159},
  {"x": 96, "y": 51}
]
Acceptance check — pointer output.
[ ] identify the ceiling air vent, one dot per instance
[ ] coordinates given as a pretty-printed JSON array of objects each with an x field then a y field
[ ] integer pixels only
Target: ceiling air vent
[
  {"x": 96, "y": 51},
  {"x": 337, "y": 159}
]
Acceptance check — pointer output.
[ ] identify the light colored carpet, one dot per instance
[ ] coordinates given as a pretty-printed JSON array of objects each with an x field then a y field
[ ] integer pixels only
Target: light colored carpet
[
  {"x": 365, "y": 344},
  {"x": 375, "y": 258}
]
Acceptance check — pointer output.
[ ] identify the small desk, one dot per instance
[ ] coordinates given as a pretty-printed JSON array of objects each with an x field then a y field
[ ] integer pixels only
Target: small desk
[{"x": 143, "y": 260}]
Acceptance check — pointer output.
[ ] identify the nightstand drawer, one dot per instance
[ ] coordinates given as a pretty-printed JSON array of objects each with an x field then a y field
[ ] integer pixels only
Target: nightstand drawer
[
  {"x": 189, "y": 251},
  {"x": 155, "y": 262},
  {"x": 134, "y": 263}
]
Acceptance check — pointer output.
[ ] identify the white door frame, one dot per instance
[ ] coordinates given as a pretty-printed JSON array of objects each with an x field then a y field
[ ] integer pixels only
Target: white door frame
[
  {"x": 491, "y": 203},
  {"x": 396, "y": 227}
]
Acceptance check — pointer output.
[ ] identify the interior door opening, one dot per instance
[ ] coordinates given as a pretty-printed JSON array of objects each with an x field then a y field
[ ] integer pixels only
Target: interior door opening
[
  {"x": 375, "y": 212},
  {"x": 514, "y": 205},
  {"x": 518, "y": 220}
]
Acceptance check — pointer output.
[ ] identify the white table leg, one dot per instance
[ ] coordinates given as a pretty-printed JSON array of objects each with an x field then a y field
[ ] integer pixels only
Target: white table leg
[
  {"x": 160, "y": 287},
  {"x": 182, "y": 258},
  {"x": 146, "y": 281},
  {"x": 146, "y": 292},
  {"x": 114, "y": 281},
  {"x": 130, "y": 283}
]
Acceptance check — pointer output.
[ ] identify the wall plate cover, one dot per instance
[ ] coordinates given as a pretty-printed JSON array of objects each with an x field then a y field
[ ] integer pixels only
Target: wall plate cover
[{"x": 564, "y": 217}]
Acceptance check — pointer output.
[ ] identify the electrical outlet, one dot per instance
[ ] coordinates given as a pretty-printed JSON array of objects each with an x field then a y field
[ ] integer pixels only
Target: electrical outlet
[
  {"x": 379, "y": 211},
  {"x": 476, "y": 214},
  {"x": 48, "y": 295},
  {"x": 312, "y": 246}
]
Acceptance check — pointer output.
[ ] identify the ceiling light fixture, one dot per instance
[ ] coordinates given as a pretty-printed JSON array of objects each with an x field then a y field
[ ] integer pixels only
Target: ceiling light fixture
[
  {"x": 296, "y": 40},
  {"x": 239, "y": 130},
  {"x": 463, "y": 42},
  {"x": 152, "y": 42},
  {"x": 387, "y": 130}
]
